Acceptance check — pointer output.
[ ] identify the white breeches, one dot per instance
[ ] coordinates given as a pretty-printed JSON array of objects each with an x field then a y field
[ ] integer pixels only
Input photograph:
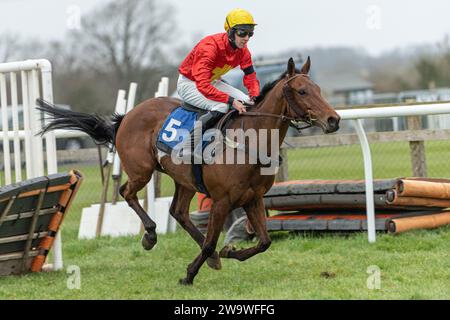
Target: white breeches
[{"x": 187, "y": 90}]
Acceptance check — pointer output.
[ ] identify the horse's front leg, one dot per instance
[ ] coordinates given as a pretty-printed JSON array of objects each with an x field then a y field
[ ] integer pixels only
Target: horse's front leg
[
  {"x": 219, "y": 210},
  {"x": 256, "y": 215}
]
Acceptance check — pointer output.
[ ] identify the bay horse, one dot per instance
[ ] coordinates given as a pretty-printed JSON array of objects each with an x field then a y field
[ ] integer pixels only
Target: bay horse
[{"x": 294, "y": 96}]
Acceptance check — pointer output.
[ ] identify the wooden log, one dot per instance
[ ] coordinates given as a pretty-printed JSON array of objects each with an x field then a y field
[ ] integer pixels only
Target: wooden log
[
  {"x": 328, "y": 186},
  {"x": 313, "y": 223},
  {"x": 318, "y": 200},
  {"x": 399, "y": 225},
  {"x": 423, "y": 189},
  {"x": 392, "y": 198}
]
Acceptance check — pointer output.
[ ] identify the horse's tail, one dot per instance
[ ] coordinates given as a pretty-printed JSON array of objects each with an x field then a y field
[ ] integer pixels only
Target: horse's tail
[{"x": 100, "y": 129}]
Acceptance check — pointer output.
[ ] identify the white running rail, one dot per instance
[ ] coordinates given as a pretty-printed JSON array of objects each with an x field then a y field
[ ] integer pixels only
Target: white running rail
[
  {"x": 355, "y": 115},
  {"x": 35, "y": 81}
]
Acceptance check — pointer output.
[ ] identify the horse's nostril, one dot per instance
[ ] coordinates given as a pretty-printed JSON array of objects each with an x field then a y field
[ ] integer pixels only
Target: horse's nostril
[{"x": 333, "y": 122}]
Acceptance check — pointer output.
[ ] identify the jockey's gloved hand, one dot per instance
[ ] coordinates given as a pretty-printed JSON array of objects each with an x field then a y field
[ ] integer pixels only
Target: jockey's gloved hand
[
  {"x": 250, "y": 101},
  {"x": 239, "y": 106}
]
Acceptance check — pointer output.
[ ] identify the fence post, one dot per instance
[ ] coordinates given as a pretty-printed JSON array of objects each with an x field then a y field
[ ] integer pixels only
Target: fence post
[
  {"x": 417, "y": 149},
  {"x": 282, "y": 174},
  {"x": 158, "y": 180}
]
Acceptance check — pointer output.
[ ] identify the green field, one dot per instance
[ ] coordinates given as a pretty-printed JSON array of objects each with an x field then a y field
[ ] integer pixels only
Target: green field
[{"x": 414, "y": 265}]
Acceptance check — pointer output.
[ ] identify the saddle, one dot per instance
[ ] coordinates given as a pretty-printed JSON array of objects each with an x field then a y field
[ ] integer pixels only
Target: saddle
[{"x": 223, "y": 121}]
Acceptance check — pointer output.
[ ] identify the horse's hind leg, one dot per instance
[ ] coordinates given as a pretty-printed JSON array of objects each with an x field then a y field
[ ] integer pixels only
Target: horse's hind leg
[
  {"x": 180, "y": 211},
  {"x": 256, "y": 215},
  {"x": 217, "y": 215},
  {"x": 129, "y": 191}
]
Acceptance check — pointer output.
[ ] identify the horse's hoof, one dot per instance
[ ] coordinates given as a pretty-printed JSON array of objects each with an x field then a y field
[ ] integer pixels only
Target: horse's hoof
[
  {"x": 225, "y": 252},
  {"x": 185, "y": 282},
  {"x": 148, "y": 241},
  {"x": 214, "y": 261}
]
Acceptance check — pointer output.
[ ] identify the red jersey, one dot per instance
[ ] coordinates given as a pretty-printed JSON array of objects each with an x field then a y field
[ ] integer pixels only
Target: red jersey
[{"x": 211, "y": 58}]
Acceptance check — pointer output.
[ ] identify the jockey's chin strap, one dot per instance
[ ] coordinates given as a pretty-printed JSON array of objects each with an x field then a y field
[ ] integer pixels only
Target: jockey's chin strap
[{"x": 289, "y": 96}]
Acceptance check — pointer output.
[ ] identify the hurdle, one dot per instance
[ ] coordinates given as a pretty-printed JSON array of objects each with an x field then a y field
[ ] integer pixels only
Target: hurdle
[
  {"x": 400, "y": 204},
  {"x": 34, "y": 79},
  {"x": 31, "y": 213}
]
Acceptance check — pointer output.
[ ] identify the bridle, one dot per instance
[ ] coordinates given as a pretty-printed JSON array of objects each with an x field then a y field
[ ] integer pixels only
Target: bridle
[{"x": 288, "y": 95}]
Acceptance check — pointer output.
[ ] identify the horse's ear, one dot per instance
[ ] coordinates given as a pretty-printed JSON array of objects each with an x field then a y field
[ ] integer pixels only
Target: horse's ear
[
  {"x": 306, "y": 66},
  {"x": 291, "y": 67}
]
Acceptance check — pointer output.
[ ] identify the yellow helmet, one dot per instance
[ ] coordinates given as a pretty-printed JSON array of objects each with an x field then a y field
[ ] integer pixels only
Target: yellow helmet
[{"x": 238, "y": 17}]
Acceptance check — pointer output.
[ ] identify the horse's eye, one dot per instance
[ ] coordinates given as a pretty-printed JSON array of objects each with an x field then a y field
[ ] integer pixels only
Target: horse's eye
[{"x": 302, "y": 92}]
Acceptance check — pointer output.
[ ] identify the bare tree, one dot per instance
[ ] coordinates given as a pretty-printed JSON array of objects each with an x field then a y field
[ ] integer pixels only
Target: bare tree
[
  {"x": 124, "y": 41},
  {"x": 9, "y": 47}
]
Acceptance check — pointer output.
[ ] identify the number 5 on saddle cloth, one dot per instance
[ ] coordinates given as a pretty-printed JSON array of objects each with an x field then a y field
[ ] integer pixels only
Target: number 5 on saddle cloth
[{"x": 178, "y": 129}]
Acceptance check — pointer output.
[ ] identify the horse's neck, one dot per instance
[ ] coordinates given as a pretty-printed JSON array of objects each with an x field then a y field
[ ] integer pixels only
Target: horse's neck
[{"x": 274, "y": 103}]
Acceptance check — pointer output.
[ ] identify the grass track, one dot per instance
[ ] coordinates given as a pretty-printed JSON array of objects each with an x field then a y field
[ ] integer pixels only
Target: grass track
[{"x": 413, "y": 265}]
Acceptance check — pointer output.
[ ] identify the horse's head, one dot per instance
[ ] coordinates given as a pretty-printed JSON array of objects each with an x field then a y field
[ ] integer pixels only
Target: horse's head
[{"x": 305, "y": 103}]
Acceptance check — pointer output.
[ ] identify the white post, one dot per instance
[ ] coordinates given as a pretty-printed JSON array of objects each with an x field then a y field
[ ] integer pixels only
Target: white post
[
  {"x": 35, "y": 124},
  {"x": 15, "y": 118},
  {"x": 6, "y": 151},
  {"x": 120, "y": 109},
  {"x": 50, "y": 141},
  {"x": 123, "y": 110},
  {"x": 131, "y": 96},
  {"x": 26, "y": 123},
  {"x": 368, "y": 178}
]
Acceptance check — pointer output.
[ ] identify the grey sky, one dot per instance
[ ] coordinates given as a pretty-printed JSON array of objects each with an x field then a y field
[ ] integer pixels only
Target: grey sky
[{"x": 376, "y": 25}]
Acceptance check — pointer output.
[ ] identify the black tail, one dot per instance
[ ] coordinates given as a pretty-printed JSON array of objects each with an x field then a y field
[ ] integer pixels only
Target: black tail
[{"x": 102, "y": 130}]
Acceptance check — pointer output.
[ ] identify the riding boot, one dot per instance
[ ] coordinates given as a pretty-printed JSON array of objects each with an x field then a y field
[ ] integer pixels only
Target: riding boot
[{"x": 206, "y": 121}]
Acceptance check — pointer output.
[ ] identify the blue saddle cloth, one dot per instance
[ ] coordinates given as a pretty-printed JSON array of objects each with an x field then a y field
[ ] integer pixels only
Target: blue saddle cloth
[{"x": 176, "y": 129}]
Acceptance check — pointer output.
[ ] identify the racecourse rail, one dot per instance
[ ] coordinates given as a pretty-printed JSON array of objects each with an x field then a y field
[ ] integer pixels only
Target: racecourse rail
[
  {"x": 354, "y": 115},
  {"x": 36, "y": 81}
]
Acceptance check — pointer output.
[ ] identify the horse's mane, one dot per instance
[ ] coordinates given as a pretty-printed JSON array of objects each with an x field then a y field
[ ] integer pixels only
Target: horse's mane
[{"x": 270, "y": 85}]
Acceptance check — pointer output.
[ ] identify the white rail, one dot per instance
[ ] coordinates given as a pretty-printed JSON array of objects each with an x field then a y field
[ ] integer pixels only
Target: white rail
[
  {"x": 385, "y": 112},
  {"x": 36, "y": 81}
]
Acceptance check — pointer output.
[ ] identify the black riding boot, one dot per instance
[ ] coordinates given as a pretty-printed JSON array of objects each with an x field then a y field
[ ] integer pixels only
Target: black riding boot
[{"x": 207, "y": 121}]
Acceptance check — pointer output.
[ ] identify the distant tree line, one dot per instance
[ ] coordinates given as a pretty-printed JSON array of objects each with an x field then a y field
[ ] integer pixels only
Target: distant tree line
[
  {"x": 413, "y": 67},
  {"x": 121, "y": 42},
  {"x": 135, "y": 40}
]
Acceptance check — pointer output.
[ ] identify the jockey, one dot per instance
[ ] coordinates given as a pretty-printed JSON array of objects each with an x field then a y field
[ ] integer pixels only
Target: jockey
[{"x": 199, "y": 83}]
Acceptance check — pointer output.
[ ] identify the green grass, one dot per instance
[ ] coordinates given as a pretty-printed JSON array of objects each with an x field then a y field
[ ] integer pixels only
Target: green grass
[{"x": 414, "y": 265}]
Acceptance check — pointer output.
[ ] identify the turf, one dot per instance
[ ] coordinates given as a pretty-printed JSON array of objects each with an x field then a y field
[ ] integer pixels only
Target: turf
[{"x": 413, "y": 265}]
